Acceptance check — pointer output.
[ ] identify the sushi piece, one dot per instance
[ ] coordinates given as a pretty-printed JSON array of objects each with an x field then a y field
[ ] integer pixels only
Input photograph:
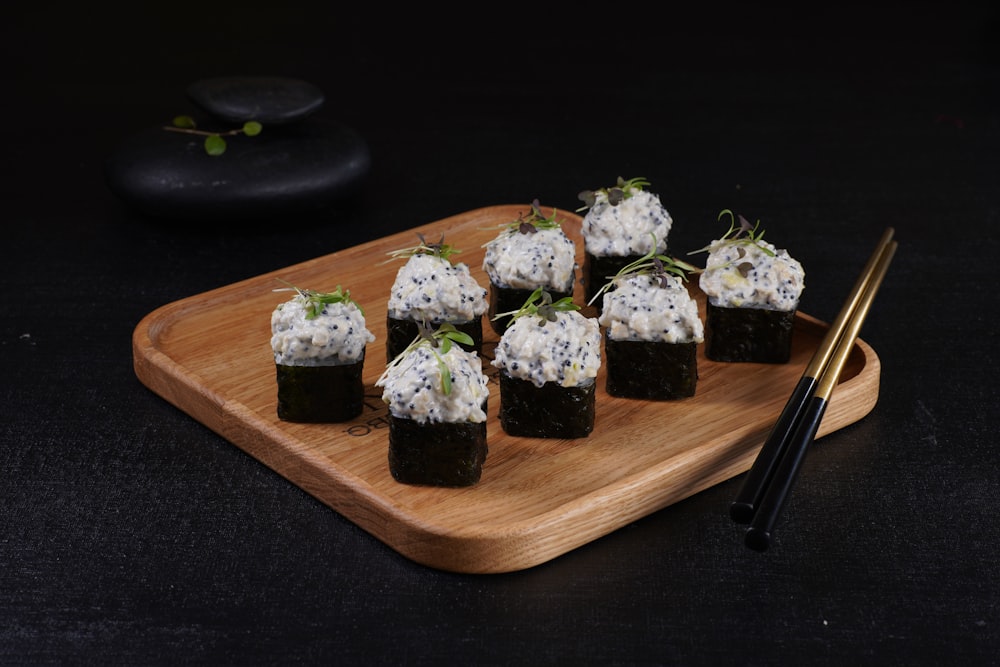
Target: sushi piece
[
  {"x": 319, "y": 341},
  {"x": 430, "y": 290},
  {"x": 619, "y": 225},
  {"x": 528, "y": 253},
  {"x": 651, "y": 331},
  {"x": 753, "y": 291},
  {"x": 437, "y": 395},
  {"x": 548, "y": 358}
]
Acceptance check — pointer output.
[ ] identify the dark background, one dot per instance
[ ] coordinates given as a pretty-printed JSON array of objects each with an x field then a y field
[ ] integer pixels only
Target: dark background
[{"x": 131, "y": 534}]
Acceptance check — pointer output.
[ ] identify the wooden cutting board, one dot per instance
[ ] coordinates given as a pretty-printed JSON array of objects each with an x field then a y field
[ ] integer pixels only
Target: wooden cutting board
[{"x": 210, "y": 356}]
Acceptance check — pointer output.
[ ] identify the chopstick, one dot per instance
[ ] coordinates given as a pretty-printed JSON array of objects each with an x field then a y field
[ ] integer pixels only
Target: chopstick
[
  {"x": 758, "y": 478},
  {"x": 773, "y": 473}
]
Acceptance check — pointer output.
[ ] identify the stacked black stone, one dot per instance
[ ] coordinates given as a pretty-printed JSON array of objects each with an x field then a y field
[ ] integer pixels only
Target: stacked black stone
[{"x": 298, "y": 164}]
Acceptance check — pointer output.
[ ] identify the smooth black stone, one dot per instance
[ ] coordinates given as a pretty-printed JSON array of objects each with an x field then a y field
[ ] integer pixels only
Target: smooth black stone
[
  {"x": 267, "y": 99},
  {"x": 300, "y": 168}
]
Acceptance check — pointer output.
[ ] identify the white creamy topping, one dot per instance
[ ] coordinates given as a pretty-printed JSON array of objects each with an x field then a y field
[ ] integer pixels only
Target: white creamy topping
[
  {"x": 567, "y": 351},
  {"x": 338, "y": 335},
  {"x": 412, "y": 387},
  {"x": 546, "y": 258},
  {"x": 432, "y": 289},
  {"x": 639, "y": 308},
  {"x": 626, "y": 229},
  {"x": 771, "y": 283}
]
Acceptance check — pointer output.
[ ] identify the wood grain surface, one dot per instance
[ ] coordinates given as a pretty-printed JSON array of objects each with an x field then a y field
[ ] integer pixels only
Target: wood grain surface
[{"x": 209, "y": 355}]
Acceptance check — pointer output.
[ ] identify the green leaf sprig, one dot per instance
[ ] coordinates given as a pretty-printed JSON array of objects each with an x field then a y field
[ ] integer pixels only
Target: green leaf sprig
[
  {"x": 540, "y": 304},
  {"x": 440, "y": 341},
  {"x": 744, "y": 235},
  {"x": 616, "y": 194},
  {"x": 654, "y": 264},
  {"x": 535, "y": 220},
  {"x": 316, "y": 301},
  {"x": 439, "y": 249},
  {"x": 215, "y": 144}
]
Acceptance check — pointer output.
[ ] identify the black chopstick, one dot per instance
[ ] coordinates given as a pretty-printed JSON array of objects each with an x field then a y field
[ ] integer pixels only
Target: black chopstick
[
  {"x": 759, "y": 477},
  {"x": 758, "y": 536}
]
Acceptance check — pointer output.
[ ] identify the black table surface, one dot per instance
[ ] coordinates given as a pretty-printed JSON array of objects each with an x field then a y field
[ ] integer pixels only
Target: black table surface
[{"x": 132, "y": 534}]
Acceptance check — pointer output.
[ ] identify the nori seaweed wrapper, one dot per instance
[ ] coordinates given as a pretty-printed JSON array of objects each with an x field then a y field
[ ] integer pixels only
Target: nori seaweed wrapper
[
  {"x": 596, "y": 271},
  {"x": 436, "y": 453},
  {"x": 748, "y": 334},
  {"x": 319, "y": 394},
  {"x": 400, "y": 333},
  {"x": 508, "y": 299},
  {"x": 549, "y": 411},
  {"x": 650, "y": 370}
]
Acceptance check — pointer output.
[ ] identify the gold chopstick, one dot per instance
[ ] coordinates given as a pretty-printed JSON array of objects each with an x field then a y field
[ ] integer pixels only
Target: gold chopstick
[
  {"x": 779, "y": 486},
  {"x": 759, "y": 477}
]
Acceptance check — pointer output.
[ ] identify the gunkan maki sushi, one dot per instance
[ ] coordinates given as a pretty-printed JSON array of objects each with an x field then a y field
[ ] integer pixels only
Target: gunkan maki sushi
[
  {"x": 528, "y": 253},
  {"x": 651, "y": 331},
  {"x": 753, "y": 291},
  {"x": 318, "y": 341},
  {"x": 548, "y": 358},
  {"x": 437, "y": 395},
  {"x": 431, "y": 290},
  {"x": 618, "y": 228}
]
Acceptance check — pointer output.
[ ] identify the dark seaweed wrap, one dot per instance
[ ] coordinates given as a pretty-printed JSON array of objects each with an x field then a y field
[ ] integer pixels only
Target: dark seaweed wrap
[
  {"x": 436, "y": 453},
  {"x": 650, "y": 370},
  {"x": 508, "y": 299},
  {"x": 596, "y": 272},
  {"x": 400, "y": 333},
  {"x": 318, "y": 394},
  {"x": 748, "y": 334},
  {"x": 549, "y": 411}
]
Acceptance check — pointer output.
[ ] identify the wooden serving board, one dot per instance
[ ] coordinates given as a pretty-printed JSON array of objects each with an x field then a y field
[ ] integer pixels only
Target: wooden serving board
[{"x": 210, "y": 356}]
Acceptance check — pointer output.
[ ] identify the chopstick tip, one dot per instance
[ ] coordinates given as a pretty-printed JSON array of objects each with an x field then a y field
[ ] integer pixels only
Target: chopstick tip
[
  {"x": 758, "y": 540},
  {"x": 741, "y": 512}
]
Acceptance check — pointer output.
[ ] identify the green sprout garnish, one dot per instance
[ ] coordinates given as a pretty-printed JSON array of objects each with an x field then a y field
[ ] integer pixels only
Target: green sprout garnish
[
  {"x": 535, "y": 221},
  {"x": 440, "y": 341},
  {"x": 316, "y": 301},
  {"x": 745, "y": 235},
  {"x": 653, "y": 264},
  {"x": 439, "y": 249},
  {"x": 215, "y": 145},
  {"x": 616, "y": 194},
  {"x": 541, "y": 305}
]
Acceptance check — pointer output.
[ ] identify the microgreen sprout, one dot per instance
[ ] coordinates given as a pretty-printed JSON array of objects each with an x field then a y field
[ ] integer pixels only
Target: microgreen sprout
[
  {"x": 215, "y": 144},
  {"x": 616, "y": 194},
  {"x": 316, "y": 301},
  {"x": 653, "y": 264},
  {"x": 530, "y": 223},
  {"x": 439, "y": 341},
  {"x": 744, "y": 235},
  {"x": 535, "y": 221},
  {"x": 439, "y": 249},
  {"x": 540, "y": 304}
]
